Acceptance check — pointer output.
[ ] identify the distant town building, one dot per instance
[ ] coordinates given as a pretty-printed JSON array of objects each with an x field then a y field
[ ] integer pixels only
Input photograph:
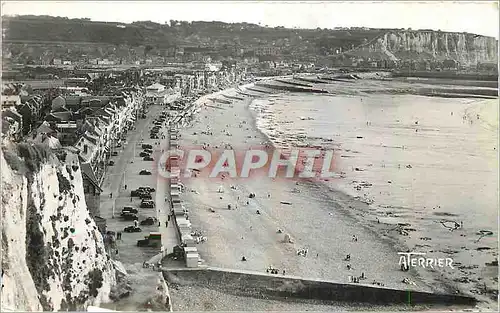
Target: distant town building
[
  {"x": 10, "y": 101},
  {"x": 266, "y": 51},
  {"x": 451, "y": 65},
  {"x": 91, "y": 190}
]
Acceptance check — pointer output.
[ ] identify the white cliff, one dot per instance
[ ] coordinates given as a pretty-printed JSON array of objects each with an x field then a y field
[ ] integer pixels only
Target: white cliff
[
  {"x": 468, "y": 49},
  {"x": 53, "y": 256}
]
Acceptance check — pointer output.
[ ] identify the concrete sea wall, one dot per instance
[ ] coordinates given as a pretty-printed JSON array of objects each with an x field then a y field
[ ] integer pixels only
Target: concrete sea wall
[{"x": 249, "y": 283}]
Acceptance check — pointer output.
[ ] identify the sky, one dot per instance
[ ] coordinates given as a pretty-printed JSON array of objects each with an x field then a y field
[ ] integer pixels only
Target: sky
[{"x": 479, "y": 17}]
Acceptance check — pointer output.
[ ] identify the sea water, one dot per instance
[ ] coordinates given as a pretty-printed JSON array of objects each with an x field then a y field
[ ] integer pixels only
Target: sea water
[{"x": 426, "y": 161}]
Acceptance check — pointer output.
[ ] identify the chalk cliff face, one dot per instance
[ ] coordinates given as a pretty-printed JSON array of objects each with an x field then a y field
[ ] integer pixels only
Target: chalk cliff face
[
  {"x": 53, "y": 256},
  {"x": 468, "y": 49}
]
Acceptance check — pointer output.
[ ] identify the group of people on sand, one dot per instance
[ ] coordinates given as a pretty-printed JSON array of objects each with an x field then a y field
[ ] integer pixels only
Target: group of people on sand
[{"x": 272, "y": 270}]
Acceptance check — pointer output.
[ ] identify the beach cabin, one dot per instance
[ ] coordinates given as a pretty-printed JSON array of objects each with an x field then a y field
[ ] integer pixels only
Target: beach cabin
[
  {"x": 175, "y": 191},
  {"x": 174, "y": 181},
  {"x": 188, "y": 241},
  {"x": 175, "y": 172},
  {"x": 175, "y": 199},
  {"x": 178, "y": 209},
  {"x": 192, "y": 256}
]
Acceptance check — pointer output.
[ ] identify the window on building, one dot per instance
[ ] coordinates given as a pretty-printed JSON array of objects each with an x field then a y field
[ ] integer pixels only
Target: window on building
[{"x": 86, "y": 189}]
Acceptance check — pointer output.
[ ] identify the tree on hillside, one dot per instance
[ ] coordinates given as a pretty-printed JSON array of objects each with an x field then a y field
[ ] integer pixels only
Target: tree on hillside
[{"x": 147, "y": 49}]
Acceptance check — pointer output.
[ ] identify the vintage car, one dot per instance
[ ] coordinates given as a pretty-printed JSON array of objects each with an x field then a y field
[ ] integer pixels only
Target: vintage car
[
  {"x": 149, "y": 221},
  {"x": 132, "y": 229}
]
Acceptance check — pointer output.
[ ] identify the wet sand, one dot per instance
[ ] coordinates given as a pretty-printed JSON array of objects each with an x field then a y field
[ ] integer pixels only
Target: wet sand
[{"x": 312, "y": 220}]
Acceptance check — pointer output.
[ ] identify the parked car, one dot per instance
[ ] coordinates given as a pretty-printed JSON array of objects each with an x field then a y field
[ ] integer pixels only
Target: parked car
[
  {"x": 149, "y": 221},
  {"x": 132, "y": 229},
  {"x": 135, "y": 193},
  {"x": 119, "y": 145},
  {"x": 147, "y": 204},
  {"x": 114, "y": 153},
  {"x": 130, "y": 216},
  {"x": 146, "y": 146},
  {"x": 153, "y": 137},
  {"x": 111, "y": 163},
  {"x": 147, "y": 158},
  {"x": 147, "y": 189},
  {"x": 144, "y": 172},
  {"x": 145, "y": 195},
  {"x": 144, "y": 154},
  {"x": 148, "y": 151},
  {"x": 129, "y": 209}
]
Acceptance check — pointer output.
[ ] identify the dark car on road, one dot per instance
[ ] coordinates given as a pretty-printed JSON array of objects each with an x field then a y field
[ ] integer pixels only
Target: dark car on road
[
  {"x": 144, "y": 172},
  {"x": 149, "y": 221},
  {"x": 144, "y": 154},
  {"x": 128, "y": 209},
  {"x": 147, "y": 189},
  {"x": 111, "y": 163},
  {"x": 132, "y": 229},
  {"x": 146, "y": 146},
  {"x": 147, "y": 158},
  {"x": 138, "y": 193},
  {"x": 130, "y": 216},
  {"x": 147, "y": 204},
  {"x": 114, "y": 153},
  {"x": 135, "y": 193},
  {"x": 153, "y": 137},
  {"x": 145, "y": 195}
]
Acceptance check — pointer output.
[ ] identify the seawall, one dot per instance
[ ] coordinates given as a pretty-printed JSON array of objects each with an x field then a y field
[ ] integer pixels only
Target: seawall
[{"x": 248, "y": 283}]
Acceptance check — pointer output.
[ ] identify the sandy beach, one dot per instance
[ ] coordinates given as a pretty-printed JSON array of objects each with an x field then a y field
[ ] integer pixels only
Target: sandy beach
[{"x": 313, "y": 220}]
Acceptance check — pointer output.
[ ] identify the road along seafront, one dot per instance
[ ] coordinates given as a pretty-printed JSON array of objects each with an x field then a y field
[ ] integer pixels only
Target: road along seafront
[
  {"x": 271, "y": 225},
  {"x": 121, "y": 179}
]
